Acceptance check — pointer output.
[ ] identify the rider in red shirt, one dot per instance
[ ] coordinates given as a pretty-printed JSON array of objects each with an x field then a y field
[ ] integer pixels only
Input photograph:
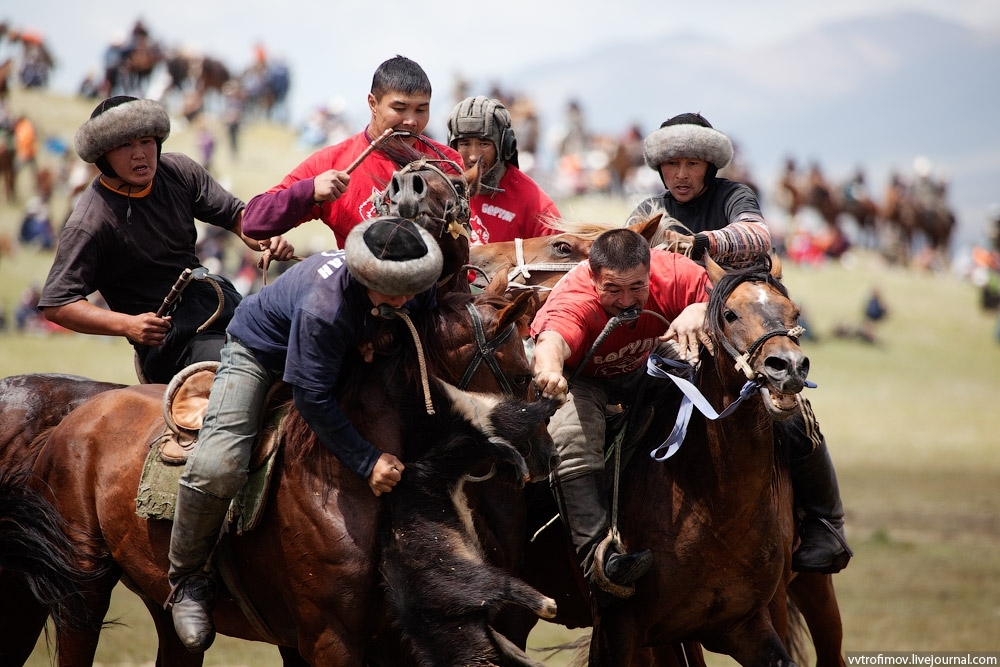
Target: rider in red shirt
[
  {"x": 321, "y": 188},
  {"x": 509, "y": 204}
]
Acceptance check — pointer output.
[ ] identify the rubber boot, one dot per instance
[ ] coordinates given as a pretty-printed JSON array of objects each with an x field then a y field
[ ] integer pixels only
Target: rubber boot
[
  {"x": 198, "y": 520},
  {"x": 583, "y": 507},
  {"x": 823, "y": 547}
]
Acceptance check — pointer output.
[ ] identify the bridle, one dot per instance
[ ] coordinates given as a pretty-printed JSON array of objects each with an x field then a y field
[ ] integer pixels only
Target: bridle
[
  {"x": 744, "y": 360},
  {"x": 485, "y": 351},
  {"x": 455, "y": 218},
  {"x": 522, "y": 269}
]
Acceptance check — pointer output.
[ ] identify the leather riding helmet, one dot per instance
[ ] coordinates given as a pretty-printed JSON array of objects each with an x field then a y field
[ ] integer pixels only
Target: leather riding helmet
[
  {"x": 117, "y": 120},
  {"x": 688, "y": 135},
  {"x": 480, "y": 116}
]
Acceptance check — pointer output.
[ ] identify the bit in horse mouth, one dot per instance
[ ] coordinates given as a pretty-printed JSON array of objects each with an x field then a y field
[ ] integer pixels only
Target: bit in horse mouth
[{"x": 780, "y": 402}]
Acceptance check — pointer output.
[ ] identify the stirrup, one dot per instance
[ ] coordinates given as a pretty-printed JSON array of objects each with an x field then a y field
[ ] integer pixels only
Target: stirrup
[{"x": 838, "y": 559}]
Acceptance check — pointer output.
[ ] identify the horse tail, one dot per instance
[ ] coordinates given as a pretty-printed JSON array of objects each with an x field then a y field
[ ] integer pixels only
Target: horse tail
[
  {"x": 580, "y": 648},
  {"x": 797, "y": 634},
  {"x": 34, "y": 544}
]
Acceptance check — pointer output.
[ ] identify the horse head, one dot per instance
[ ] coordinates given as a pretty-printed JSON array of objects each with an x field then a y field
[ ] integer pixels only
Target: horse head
[
  {"x": 751, "y": 317},
  {"x": 434, "y": 194}
]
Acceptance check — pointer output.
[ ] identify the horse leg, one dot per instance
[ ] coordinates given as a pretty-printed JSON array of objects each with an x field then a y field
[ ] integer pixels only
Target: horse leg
[
  {"x": 687, "y": 654},
  {"x": 290, "y": 657},
  {"x": 22, "y": 620},
  {"x": 77, "y": 646},
  {"x": 754, "y": 643},
  {"x": 816, "y": 599},
  {"x": 614, "y": 640},
  {"x": 171, "y": 651}
]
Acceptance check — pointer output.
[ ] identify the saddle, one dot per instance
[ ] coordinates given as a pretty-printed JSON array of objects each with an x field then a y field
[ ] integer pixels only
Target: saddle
[
  {"x": 171, "y": 440},
  {"x": 184, "y": 405}
]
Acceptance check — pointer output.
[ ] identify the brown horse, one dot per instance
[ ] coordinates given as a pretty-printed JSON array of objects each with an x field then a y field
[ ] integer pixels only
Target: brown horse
[
  {"x": 538, "y": 263},
  {"x": 920, "y": 214},
  {"x": 8, "y": 175},
  {"x": 718, "y": 513},
  {"x": 700, "y": 486},
  {"x": 309, "y": 569}
]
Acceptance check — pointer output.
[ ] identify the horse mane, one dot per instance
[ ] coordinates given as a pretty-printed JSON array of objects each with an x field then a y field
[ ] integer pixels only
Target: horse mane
[
  {"x": 668, "y": 223},
  {"x": 399, "y": 152},
  {"x": 758, "y": 271},
  {"x": 403, "y": 154},
  {"x": 587, "y": 230},
  {"x": 590, "y": 230}
]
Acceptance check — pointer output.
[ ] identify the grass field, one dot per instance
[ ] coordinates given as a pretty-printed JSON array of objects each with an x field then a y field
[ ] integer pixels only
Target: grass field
[{"x": 913, "y": 424}]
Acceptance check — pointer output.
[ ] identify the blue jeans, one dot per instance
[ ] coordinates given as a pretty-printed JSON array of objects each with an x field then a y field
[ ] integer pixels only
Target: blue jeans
[{"x": 219, "y": 463}]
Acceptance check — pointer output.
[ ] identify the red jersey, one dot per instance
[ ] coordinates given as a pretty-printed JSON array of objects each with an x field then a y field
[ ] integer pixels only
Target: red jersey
[
  {"x": 290, "y": 203},
  {"x": 517, "y": 212},
  {"x": 573, "y": 311}
]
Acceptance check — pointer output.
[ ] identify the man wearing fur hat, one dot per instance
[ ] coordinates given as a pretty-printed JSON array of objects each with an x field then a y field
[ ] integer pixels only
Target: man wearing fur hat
[
  {"x": 727, "y": 224},
  {"x": 297, "y": 329},
  {"x": 509, "y": 204},
  {"x": 320, "y": 186},
  {"x": 132, "y": 234},
  {"x": 724, "y": 215}
]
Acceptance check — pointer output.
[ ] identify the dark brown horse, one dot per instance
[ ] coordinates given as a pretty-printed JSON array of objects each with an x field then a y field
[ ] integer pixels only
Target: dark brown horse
[
  {"x": 309, "y": 569},
  {"x": 434, "y": 193}
]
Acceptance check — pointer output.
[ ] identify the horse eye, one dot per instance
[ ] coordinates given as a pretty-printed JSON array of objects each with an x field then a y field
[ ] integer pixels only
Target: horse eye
[
  {"x": 730, "y": 316},
  {"x": 522, "y": 380},
  {"x": 563, "y": 248}
]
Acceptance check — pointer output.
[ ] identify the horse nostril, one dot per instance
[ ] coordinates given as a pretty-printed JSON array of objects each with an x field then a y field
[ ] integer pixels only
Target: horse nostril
[
  {"x": 776, "y": 366},
  {"x": 419, "y": 186}
]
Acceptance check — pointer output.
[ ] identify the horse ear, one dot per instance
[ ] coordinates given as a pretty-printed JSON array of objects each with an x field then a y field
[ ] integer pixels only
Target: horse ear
[
  {"x": 498, "y": 284},
  {"x": 474, "y": 408},
  {"x": 473, "y": 179},
  {"x": 519, "y": 308},
  {"x": 649, "y": 228},
  {"x": 775, "y": 266},
  {"x": 715, "y": 272}
]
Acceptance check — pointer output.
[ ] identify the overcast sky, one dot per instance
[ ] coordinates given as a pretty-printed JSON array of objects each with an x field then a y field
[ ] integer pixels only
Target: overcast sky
[{"x": 334, "y": 46}]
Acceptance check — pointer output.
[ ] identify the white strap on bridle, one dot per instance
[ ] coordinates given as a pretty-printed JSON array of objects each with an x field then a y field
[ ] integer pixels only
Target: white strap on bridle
[{"x": 523, "y": 269}]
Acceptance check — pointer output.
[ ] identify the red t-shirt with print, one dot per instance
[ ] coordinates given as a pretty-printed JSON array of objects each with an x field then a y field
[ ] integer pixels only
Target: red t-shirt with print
[{"x": 573, "y": 311}]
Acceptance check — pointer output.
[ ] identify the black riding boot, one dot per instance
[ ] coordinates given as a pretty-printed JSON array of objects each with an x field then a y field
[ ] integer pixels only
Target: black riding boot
[
  {"x": 197, "y": 521},
  {"x": 824, "y": 547},
  {"x": 583, "y": 507}
]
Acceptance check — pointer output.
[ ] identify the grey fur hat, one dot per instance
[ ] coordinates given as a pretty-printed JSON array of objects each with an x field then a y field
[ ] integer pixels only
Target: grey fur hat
[
  {"x": 393, "y": 256},
  {"x": 687, "y": 135},
  {"x": 117, "y": 120}
]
